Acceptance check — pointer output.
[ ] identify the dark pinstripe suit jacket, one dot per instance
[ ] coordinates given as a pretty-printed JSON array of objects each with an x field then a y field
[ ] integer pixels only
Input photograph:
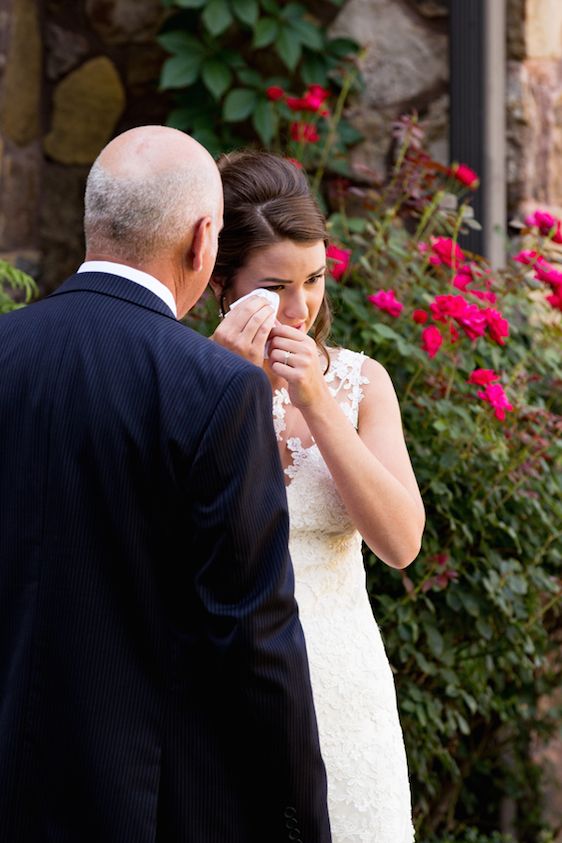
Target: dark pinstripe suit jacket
[{"x": 153, "y": 676}]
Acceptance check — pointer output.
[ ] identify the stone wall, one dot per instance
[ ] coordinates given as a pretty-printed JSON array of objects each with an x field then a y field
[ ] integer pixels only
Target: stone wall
[
  {"x": 534, "y": 103},
  {"x": 75, "y": 73},
  {"x": 406, "y": 67}
]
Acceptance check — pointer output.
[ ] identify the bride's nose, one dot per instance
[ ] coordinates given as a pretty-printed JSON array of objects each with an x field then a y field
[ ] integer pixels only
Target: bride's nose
[{"x": 296, "y": 306}]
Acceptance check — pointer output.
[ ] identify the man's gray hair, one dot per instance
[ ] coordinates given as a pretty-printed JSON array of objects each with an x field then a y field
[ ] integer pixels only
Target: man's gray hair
[{"x": 135, "y": 218}]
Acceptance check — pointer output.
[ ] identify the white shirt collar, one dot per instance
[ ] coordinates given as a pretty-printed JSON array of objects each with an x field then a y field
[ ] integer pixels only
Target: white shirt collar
[{"x": 143, "y": 278}]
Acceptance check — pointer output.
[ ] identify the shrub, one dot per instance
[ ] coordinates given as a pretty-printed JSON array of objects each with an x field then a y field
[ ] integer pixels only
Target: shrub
[
  {"x": 473, "y": 628},
  {"x": 232, "y": 63},
  {"x": 16, "y": 287}
]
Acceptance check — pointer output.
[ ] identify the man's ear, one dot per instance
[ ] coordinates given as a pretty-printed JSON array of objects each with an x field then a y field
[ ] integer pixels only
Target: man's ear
[{"x": 202, "y": 244}]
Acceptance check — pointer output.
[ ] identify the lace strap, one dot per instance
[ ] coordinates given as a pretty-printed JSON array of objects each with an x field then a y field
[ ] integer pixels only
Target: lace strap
[{"x": 345, "y": 371}]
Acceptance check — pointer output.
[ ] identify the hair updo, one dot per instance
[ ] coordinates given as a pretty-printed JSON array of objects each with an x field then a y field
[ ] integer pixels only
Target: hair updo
[{"x": 266, "y": 199}]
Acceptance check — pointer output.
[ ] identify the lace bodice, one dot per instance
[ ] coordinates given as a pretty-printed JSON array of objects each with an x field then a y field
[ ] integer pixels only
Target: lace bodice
[
  {"x": 320, "y": 507},
  {"x": 353, "y": 687}
]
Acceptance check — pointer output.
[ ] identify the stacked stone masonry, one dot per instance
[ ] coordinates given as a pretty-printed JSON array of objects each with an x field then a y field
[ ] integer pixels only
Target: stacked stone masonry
[{"x": 73, "y": 73}]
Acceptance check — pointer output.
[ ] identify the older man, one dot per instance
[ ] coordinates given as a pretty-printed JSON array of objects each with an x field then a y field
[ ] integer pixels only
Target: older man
[{"x": 153, "y": 676}]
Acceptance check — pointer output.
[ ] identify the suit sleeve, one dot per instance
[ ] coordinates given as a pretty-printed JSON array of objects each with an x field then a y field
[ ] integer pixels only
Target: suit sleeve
[{"x": 245, "y": 585}]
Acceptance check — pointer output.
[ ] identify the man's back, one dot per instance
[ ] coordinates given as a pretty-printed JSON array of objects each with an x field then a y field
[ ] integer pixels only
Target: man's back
[{"x": 146, "y": 610}]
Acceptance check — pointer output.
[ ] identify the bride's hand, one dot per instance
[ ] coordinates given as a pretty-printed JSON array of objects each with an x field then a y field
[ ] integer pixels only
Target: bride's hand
[
  {"x": 245, "y": 329},
  {"x": 294, "y": 356}
]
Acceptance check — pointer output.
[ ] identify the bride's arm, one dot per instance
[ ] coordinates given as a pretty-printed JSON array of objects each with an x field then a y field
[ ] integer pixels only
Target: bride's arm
[{"x": 371, "y": 468}]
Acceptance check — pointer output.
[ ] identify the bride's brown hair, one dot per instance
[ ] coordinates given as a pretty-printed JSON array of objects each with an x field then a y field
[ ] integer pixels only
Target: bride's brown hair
[{"x": 266, "y": 199}]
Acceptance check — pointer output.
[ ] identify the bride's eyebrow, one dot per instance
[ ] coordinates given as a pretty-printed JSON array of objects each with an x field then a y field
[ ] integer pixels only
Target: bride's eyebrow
[{"x": 289, "y": 280}]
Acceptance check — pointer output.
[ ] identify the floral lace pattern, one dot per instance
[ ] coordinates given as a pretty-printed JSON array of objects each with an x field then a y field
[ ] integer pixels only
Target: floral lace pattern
[{"x": 360, "y": 734}]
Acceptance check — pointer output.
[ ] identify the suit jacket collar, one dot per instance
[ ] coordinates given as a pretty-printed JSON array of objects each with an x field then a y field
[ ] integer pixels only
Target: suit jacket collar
[{"x": 116, "y": 287}]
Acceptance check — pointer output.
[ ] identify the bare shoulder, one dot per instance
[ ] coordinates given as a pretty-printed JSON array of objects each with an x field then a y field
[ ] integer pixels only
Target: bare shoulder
[
  {"x": 380, "y": 398},
  {"x": 376, "y": 373}
]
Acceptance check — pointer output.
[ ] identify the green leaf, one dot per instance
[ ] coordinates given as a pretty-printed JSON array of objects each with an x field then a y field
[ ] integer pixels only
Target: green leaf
[
  {"x": 484, "y": 629},
  {"x": 232, "y": 58},
  {"x": 179, "y": 42},
  {"x": 293, "y": 11},
  {"x": 463, "y": 725},
  {"x": 217, "y": 16},
  {"x": 190, "y": 4},
  {"x": 246, "y": 11},
  {"x": 435, "y": 641},
  {"x": 342, "y": 47},
  {"x": 180, "y": 118},
  {"x": 308, "y": 34},
  {"x": 270, "y": 6},
  {"x": 210, "y": 140},
  {"x": 385, "y": 331},
  {"x": 250, "y": 77},
  {"x": 289, "y": 47},
  {"x": 424, "y": 665},
  {"x": 314, "y": 70},
  {"x": 265, "y": 32},
  {"x": 265, "y": 121},
  {"x": 239, "y": 104},
  {"x": 216, "y": 76},
  {"x": 180, "y": 71}
]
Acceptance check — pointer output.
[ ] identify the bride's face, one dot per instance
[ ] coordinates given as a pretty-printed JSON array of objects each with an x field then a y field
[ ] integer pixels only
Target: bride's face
[{"x": 296, "y": 271}]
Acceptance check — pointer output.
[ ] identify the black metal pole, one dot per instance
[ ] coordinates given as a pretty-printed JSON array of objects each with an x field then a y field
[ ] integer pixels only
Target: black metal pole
[
  {"x": 477, "y": 127},
  {"x": 468, "y": 114}
]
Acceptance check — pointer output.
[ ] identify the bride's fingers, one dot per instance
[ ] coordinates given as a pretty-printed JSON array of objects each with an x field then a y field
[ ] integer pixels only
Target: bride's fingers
[
  {"x": 287, "y": 358},
  {"x": 288, "y": 332},
  {"x": 259, "y": 324}
]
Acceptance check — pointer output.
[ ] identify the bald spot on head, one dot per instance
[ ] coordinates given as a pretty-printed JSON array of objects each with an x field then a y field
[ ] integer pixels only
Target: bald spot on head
[{"x": 146, "y": 188}]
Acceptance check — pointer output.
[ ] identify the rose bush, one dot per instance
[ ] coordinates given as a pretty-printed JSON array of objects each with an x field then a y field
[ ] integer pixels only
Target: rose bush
[{"x": 473, "y": 628}]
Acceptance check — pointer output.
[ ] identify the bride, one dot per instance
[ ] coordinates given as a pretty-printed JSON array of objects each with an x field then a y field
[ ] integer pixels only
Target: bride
[{"x": 348, "y": 477}]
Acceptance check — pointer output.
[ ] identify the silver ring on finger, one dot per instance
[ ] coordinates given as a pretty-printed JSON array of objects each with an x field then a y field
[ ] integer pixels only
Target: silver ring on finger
[{"x": 286, "y": 360}]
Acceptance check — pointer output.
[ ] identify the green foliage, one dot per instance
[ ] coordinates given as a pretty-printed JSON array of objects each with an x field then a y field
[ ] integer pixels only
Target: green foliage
[
  {"x": 16, "y": 287},
  {"x": 226, "y": 54},
  {"x": 473, "y": 627}
]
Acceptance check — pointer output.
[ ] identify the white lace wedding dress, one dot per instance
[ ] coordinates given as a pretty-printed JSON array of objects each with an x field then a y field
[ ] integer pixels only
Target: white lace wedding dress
[{"x": 353, "y": 686}]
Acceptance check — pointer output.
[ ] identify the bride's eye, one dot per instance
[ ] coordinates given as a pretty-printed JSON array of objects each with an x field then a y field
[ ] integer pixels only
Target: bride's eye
[{"x": 315, "y": 278}]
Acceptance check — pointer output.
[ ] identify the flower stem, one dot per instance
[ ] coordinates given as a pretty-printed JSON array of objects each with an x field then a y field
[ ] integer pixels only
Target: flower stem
[{"x": 347, "y": 83}]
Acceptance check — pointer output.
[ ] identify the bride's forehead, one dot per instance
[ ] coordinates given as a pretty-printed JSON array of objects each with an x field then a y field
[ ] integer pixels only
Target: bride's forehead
[{"x": 289, "y": 253}]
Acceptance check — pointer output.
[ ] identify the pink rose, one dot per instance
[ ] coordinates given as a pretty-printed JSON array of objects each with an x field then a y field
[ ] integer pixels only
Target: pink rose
[
  {"x": 295, "y": 103},
  {"x": 555, "y": 300},
  {"x": 315, "y": 97},
  {"x": 341, "y": 258},
  {"x": 545, "y": 223},
  {"x": 528, "y": 257},
  {"x": 465, "y": 175},
  {"x": 447, "y": 306},
  {"x": 498, "y": 326},
  {"x": 495, "y": 395},
  {"x": 547, "y": 273},
  {"x": 387, "y": 301},
  {"x": 304, "y": 132},
  {"x": 431, "y": 340},
  {"x": 274, "y": 92},
  {"x": 420, "y": 316},
  {"x": 481, "y": 377},
  {"x": 445, "y": 251}
]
